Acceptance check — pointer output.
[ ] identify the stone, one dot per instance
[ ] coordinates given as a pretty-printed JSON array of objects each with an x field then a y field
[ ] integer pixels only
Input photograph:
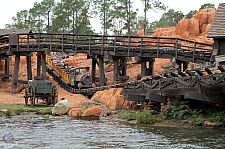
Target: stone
[
  {"x": 75, "y": 112},
  {"x": 92, "y": 111}
]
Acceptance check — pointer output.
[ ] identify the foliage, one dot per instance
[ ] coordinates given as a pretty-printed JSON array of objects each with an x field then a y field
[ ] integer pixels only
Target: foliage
[
  {"x": 190, "y": 14},
  {"x": 13, "y": 110},
  {"x": 129, "y": 116},
  {"x": 217, "y": 117},
  {"x": 177, "y": 111},
  {"x": 198, "y": 120},
  {"x": 207, "y": 5},
  {"x": 169, "y": 18},
  {"x": 149, "y": 5}
]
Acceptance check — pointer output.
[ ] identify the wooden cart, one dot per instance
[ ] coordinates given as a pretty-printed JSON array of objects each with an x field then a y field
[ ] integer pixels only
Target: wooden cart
[{"x": 39, "y": 89}]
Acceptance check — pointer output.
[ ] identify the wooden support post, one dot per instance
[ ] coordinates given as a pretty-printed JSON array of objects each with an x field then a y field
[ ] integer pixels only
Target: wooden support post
[
  {"x": 143, "y": 68},
  {"x": 115, "y": 68},
  {"x": 29, "y": 68},
  {"x": 15, "y": 73},
  {"x": 44, "y": 66},
  {"x": 124, "y": 69},
  {"x": 93, "y": 69},
  {"x": 101, "y": 71},
  {"x": 147, "y": 70},
  {"x": 185, "y": 65},
  {"x": 6, "y": 68},
  {"x": 38, "y": 64}
]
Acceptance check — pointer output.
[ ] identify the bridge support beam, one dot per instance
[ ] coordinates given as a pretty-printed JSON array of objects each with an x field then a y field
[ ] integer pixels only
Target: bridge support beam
[
  {"x": 6, "y": 69},
  {"x": 120, "y": 66},
  {"x": 101, "y": 71},
  {"x": 15, "y": 73},
  {"x": 182, "y": 65},
  {"x": 97, "y": 61},
  {"x": 41, "y": 65},
  {"x": 29, "y": 68},
  {"x": 38, "y": 63},
  {"x": 147, "y": 66}
]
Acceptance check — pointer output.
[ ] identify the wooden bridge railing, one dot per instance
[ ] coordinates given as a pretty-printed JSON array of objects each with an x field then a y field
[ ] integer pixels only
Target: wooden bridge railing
[{"x": 128, "y": 42}]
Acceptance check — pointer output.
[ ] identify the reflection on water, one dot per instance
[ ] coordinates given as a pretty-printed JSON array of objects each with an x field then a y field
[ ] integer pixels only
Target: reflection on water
[{"x": 62, "y": 132}]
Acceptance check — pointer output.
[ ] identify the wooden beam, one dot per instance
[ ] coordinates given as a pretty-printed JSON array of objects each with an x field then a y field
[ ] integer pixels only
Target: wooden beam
[
  {"x": 44, "y": 66},
  {"x": 204, "y": 97},
  {"x": 101, "y": 72},
  {"x": 6, "y": 75},
  {"x": 29, "y": 68},
  {"x": 16, "y": 71},
  {"x": 135, "y": 97},
  {"x": 155, "y": 97}
]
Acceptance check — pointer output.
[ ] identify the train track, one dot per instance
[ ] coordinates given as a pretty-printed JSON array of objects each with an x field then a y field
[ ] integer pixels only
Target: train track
[{"x": 189, "y": 83}]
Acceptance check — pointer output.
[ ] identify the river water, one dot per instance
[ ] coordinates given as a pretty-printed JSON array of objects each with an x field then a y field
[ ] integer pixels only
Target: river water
[{"x": 49, "y": 132}]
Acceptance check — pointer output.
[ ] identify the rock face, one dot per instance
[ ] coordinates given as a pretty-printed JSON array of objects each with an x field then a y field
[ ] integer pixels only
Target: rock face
[
  {"x": 195, "y": 28},
  {"x": 75, "y": 112},
  {"x": 113, "y": 99},
  {"x": 93, "y": 111}
]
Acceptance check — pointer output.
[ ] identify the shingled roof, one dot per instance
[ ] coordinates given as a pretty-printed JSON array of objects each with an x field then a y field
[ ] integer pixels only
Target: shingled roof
[
  {"x": 17, "y": 31},
  {"x": 217, "y": 29}
]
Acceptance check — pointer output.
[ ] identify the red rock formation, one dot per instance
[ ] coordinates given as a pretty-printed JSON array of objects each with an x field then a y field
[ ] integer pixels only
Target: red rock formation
[
  {"x": 195, "y": 28},
  {"x": 75, "y": 112},
  {"x": 92, "y": 111}
]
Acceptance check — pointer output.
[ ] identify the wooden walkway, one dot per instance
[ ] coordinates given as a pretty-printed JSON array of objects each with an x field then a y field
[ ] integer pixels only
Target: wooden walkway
[{"x": 107, "y": 46}]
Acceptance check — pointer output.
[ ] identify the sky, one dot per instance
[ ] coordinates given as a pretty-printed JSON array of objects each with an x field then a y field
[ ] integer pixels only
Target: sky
[{"x": 9, "y": 8}]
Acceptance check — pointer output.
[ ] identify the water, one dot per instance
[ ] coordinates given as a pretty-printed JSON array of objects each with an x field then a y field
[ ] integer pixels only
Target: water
[{"x": 50, "y": 132}]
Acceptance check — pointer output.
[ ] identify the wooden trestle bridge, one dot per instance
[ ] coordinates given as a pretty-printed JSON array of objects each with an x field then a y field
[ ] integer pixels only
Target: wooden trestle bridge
[{"x": 193, "y": 84}]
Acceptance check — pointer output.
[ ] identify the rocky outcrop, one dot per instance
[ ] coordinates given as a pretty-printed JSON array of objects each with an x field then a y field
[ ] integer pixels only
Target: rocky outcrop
[
  {"x": 75, "y": 112},
  {"x": 92, "y": 111},
  {"x": 113, "y": 99},
  {"x": 195, "y": 28}
]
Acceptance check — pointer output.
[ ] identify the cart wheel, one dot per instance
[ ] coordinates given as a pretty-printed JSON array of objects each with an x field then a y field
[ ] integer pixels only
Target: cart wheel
[
  {"x": 32, "y": 96},
  {"x": 54, "y": 95},
  {"x": 26, "y": 96}
]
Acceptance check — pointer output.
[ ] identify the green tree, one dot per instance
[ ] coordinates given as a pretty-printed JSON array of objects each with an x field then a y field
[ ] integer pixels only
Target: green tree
[
  {"x": 104, "y": 8},
  {"x": 169, "y": 18},
  {"x": 151, "y": 5},
  {"x": 124, "y": 15},
  {"x": 207, "y": 5},
  {"x": 190, "y": 14},
  {"x": 35, "y": 18}
]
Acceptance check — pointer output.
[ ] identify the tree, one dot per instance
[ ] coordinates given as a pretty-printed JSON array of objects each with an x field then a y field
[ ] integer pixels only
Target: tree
[
  {"x": 169, "y": 18},
  {"x": 104, "y": 8},
  {"x": 35, "y": 18},
  {"x": 207, "y": 5},
  {"x": 123, "y": 13},
  {"x": 190, "y": 14},
  {"x": 151, "y": 5}
]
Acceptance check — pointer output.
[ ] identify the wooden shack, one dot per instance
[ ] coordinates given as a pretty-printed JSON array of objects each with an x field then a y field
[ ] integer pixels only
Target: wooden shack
[{"x": 217, "y": 32}]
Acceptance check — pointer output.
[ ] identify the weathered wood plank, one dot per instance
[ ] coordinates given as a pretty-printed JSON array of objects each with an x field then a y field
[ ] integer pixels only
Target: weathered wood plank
[{"x": 204, "y": 97}]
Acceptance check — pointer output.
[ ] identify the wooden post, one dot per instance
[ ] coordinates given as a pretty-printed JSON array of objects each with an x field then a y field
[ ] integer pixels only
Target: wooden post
[
  {"x": 29, "y": 68},
  {"x": 101, "y": 71},
  {"x": 143, "y": 68},
  {"x": 124, "y": 69},
  {"x": 115, "y": 68},
  {"x": 93, "y": 69},
  {"x": 44, "y": 66},
  {"x": 15, "y": 73},
  {"x": 38, "y": 64},
  {"x": 6, "y": 68}
]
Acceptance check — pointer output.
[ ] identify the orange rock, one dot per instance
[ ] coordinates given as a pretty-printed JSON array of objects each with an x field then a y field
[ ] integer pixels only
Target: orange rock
[
  {"x": 75, "y": 112},
  {"x": 92, "y": 111}
]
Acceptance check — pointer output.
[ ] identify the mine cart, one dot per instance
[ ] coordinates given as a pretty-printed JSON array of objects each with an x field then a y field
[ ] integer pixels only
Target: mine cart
[{"x": 39, "y": 89}]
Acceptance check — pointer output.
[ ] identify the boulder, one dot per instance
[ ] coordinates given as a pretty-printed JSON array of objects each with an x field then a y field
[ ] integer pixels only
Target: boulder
[
  {"x": 92, "y": 111},
  {"x": 112, "y": 98},
  {"x": 75, "y": 112}
]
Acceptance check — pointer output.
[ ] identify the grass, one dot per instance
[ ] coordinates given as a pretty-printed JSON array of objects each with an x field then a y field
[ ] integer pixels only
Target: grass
[{"x": 13, "y": 110}]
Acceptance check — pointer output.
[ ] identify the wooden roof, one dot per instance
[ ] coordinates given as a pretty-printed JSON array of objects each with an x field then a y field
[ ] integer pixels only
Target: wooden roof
[
  {"x": 17, "y": 31},
  {"x": 217, "y": 29}
]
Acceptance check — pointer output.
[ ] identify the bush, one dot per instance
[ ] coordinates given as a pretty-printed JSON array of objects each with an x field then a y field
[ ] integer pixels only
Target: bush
[
  {"x": 198, "y": 121},
  {"x": 178, "y": 111},
  {"x": 129, "y": 116}
]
